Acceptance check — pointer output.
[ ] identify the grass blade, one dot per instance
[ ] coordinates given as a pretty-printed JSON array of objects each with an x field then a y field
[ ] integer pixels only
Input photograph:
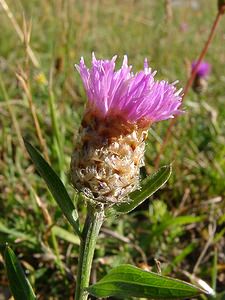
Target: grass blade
[
  {"x": 175, "y": 221},
  {"x": 15, "y": 234},
  {"x": 129, "y": 281},
  {"x": 55, "y": 186},
  {"x": 19, "y": 284},
  {"x": 65, "y": 235}
]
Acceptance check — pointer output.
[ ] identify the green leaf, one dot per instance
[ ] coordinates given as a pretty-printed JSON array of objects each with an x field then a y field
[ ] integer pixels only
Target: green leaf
[
  {"x": 55, "y": 186},
  {"x": 19, "y": 284},
  {"x": 148, "y": 187},
  {"x": 129, "y": 281},
  {"x": 65, "y": 235}
]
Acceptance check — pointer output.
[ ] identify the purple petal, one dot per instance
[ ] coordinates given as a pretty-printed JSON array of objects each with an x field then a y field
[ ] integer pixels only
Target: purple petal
[{"x": 132, "y": 96}]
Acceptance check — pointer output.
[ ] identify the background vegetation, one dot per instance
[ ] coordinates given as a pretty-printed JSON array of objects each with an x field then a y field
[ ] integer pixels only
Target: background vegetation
[{"x": 182, "y": 226}]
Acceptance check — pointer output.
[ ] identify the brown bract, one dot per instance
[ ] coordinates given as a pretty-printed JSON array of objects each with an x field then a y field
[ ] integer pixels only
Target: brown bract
[{"x": 112, "y": 125}]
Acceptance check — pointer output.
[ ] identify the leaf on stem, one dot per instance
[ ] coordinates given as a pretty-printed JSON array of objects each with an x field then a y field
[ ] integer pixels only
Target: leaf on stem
[
  {"x": 130, "y": 281},
  {"x": 55, "y": 186},
  {"x": 148, "y": 187},
  {"x": 19, "y": 284}
]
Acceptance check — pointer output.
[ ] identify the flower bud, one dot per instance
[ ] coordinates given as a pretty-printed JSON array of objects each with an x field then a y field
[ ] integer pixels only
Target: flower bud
[
  {"x": 200, "y": 82},
  {"x": 221, "y": 6}
]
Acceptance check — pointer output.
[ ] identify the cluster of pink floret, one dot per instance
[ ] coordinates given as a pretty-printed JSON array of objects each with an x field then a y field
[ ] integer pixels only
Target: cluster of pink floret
[{"x": 133, "y": 96}]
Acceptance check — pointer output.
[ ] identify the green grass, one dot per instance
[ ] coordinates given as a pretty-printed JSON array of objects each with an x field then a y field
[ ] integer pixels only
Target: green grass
[{"x": 176, "y": 223}]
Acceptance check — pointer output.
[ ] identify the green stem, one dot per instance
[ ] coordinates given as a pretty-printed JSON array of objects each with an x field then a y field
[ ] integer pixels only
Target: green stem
[{"x": 93, "y": 223}]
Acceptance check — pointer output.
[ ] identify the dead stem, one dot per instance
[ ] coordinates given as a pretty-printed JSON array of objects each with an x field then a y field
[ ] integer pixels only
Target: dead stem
[{"x": 26, "y": 89}]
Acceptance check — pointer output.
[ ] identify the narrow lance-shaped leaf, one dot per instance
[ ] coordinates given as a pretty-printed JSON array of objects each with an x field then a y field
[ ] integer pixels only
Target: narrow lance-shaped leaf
[
  {"x": 19, "y": 284},
  {"x": 129, "y": 281},
  {"x": 148, "y": 187},
  {"x": 55, "y": 185}
]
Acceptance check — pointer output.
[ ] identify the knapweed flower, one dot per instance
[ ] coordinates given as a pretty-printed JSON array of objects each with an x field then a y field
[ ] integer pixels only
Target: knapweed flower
[
  {"x": 121, "y": 106},
  {"x": 200, "y": 82}
]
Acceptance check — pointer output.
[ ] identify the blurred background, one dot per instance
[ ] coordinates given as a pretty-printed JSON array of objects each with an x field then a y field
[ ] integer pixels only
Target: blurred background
[{"x": 42, "y": 99}]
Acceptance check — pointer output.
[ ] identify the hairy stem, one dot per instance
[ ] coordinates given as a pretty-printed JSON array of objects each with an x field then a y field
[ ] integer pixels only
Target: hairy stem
[{"x": 93, "y": 223}]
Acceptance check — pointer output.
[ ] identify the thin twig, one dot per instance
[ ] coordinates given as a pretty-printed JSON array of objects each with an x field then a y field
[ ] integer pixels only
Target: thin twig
[
  {"x": 125, "y": 240},
  {"x": 212, "y": 231},
  {"x": 116, "y": 235},
  {"x": 189, "y": 84},
  {"x": 34, "y": 115},
  {"x": 44, "y": 210}
]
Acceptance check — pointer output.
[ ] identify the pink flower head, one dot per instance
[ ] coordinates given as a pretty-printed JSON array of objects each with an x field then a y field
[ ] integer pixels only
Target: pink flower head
[
  {"x": 204, "y": 69},
  {"x": 135, "y": 97}
]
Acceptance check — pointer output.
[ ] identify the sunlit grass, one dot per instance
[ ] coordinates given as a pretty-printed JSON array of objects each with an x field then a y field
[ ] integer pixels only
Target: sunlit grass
[{"x": 175, "y": 227}]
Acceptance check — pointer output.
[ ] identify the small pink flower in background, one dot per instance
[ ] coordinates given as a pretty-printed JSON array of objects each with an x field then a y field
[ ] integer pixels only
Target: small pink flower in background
[
  {"x": 200, "y": 83},
  {"x": 204, "y": 69}
]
